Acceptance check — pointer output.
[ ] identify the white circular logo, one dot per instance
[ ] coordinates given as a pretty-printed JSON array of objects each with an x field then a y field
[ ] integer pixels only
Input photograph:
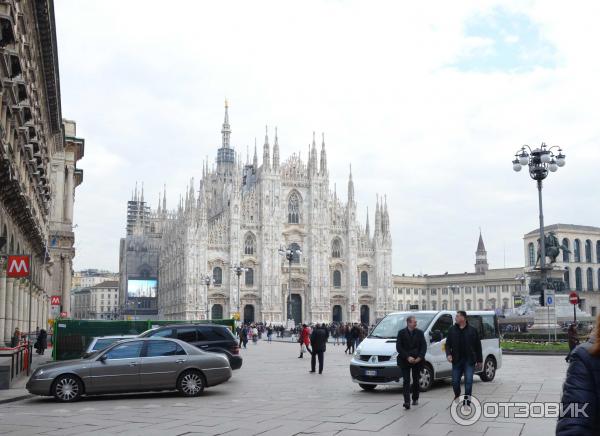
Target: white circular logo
[{"x": 465, "y": 410}]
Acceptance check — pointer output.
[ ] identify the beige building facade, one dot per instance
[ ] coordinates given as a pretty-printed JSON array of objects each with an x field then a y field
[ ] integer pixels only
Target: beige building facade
[
  {"x": 100, "y": 301},
  {"x": 33, "y": 138}
]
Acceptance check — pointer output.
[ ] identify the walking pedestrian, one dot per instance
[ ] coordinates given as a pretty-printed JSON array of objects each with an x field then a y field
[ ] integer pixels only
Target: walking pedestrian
[
  {"x": 304, "y": 340},
  {"x": 349, "y": 341},
  {"x": 254, "y": 335},
  {"x": 463, "y": 350},
  {"x": 41, "y": 342},
  {"x": 318, "y": 339},
  {"x": 581, "y": 390},
  {"x": 573, "y": 339},
  {"x": 411, "y": 348},
  {"x": 269, "y": 333},
  {"x": 243, "y": 336},
  {"x": 16, "y": 338}
]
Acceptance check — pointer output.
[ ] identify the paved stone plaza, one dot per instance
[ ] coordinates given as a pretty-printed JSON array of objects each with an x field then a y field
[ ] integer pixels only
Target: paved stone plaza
[{"x": 273, "y": 394}]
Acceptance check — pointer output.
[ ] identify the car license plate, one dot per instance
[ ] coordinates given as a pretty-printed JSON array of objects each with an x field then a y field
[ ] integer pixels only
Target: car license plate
[{"x": 371, "y": 372}]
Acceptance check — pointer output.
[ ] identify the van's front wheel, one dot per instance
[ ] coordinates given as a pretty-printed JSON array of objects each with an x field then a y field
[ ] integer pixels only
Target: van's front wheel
[
  {"x": 426, "y": 378},
  {"x": 489, "y": 370}
]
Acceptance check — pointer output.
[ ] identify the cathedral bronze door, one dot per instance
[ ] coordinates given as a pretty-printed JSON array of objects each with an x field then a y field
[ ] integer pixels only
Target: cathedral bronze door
[
  {"x": 337, "y": 313},
  {"x": 248, "y": 314},
  {"x": 216, "y": 312},
  {"x": 364, "y": 314},
  {"x": 296, "y": 308}
]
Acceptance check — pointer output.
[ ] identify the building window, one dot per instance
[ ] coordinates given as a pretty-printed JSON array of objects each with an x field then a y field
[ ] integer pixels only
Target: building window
[
  {"x": 480, "y": 304},
  {"x": 578, "y": 280},
  {"x": 336, "y": 248},
  {"x": 468, "y": 304},
  {"x": 493, "y": 304},
  {"x": 217, "y": 276},
  {"x": 492, "y": 288},
  {"x": 480, "y": 289},
  {"x": 364, "y": 279},
  {"x": 590, "y": 279},
  {"x": 505, "y": 303},
  {"x": 566, "y": 254},
  {"x": 567, "y": 279},
  {"x": 531, "y": 251},
  {"x": 337, "y": 279},
  {"x": 433, "y": 305},
  {"x": 597, "y": 251},
  {"x": 504, "y": 288},
  {"x": 294, "y": 208},
  {"x": 588, "y": 251},
  {"x": 577, "y": 250},
  {"x": 434, "y": 291},
  {"x": 444, "y": 305},
  {"x": 594, "y": 311},
  {"x": 444, "y": 291},
  {"x": 468, "y": 290},
  {"x": 249, "y": 277},
  {"x": 456, "y": 305},
  {"x": 249, "y": 245}
]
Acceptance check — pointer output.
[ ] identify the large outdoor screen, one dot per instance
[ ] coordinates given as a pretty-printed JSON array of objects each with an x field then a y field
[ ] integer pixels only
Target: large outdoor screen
[{"x": 142, "y": 288}]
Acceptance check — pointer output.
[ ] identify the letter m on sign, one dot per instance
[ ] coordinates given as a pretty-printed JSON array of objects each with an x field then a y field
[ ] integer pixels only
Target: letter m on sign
[{"x": 17, "y": 266}]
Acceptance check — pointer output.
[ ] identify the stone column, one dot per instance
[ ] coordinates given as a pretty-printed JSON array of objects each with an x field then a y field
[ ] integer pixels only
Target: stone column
[
  {"x": 2, "y": 304},
  {"x": 16, "y": 313},
  {"x": 66, "y": 290},
  {"x": 69, "y": 193},
  {"x": 25, "y": 307},
  {"x": 8, "y": 312}
]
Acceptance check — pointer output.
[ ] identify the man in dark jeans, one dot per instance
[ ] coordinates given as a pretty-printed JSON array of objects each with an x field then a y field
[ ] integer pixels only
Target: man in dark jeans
[
  {"x": 463, "y": 350},
  {"x": 318, "y": 339},
  {"x": 411, "y": 348}
]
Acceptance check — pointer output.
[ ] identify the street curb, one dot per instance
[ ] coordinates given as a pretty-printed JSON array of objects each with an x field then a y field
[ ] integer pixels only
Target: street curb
[
  {"x": 534, "y": 353},
  {"x": 13, "y": 399}
]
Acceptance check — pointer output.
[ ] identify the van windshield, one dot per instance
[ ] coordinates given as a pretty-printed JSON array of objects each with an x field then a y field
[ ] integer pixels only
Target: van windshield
[{"x": 390, "y": 325}]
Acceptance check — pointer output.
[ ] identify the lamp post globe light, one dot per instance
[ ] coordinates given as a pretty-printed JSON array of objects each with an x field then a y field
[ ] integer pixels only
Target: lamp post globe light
[
  {"x": 289, "y": 253},
  {"x": 206, "y": 280},
  {"x": 238, "y": 270},
  {"x": 540, "y": 161}
]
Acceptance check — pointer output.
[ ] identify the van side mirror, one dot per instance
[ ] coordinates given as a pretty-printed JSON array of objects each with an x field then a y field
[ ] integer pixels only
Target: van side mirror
[{"x": 436, "y": 336}]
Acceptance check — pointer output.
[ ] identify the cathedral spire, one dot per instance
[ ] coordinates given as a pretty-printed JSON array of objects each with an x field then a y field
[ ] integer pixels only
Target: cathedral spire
[
  {"x": 367, "y": 227},
  {"x": 164, "y": 197},
  {"x": 350, "y": 188},
  {"x": 255, "y": 160},
  {"x": 158, "y": 208},
  {"x": 135, "y": 195},
  {"x": 226, "y": 130},
  {"x": 377, "y": 230},
  {"x": 323, "y": 156},
  {"x": 266, "y": 151},
  {"x": 276, "y": 152},
  {"x": 142, "y": 198}
]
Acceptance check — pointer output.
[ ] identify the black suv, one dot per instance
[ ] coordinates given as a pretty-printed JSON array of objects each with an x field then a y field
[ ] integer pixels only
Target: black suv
[{"x": 207, "y": 337}]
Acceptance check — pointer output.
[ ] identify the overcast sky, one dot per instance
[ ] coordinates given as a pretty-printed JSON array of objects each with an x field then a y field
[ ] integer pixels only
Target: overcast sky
[{"x": 427, "y": 100}]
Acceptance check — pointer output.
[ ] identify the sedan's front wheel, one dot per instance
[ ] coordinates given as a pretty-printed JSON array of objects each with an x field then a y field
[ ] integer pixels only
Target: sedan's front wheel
[
  {"x": 190, "y": 383},
  {"x": 67, "y": 388}
]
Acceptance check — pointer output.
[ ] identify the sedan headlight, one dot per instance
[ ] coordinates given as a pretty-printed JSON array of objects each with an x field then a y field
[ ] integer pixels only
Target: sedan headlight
[
  {"x": 39, "y": 372},
  {"x": 394, "y": 356},
  {"x": 357, "y": 352}
]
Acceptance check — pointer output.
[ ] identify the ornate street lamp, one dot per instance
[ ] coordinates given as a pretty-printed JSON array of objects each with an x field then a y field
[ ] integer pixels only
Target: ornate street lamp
[
  {"x": 540, "y": 161},
  {"x": 289, "y": 254},
  {"x": 206, "y": 280},
  {"x": 238, "y": 270}
]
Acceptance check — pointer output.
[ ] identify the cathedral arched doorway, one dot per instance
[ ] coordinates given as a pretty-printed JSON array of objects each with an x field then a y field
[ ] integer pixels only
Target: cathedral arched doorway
[
  {"x": 296, "y": 308},
  {"x": 337, "y": 313},
  {"x": 364, "y": 314},
  {"x": 216, "y": 312},
  {"x": 248, "y": 313}
]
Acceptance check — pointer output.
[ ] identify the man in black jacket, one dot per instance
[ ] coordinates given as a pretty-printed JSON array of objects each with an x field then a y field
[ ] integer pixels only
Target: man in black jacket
[
  {"x": 411, "y": 348},
  {"x": 463, "y": 350},
  {"x": 318, "y": 339}
]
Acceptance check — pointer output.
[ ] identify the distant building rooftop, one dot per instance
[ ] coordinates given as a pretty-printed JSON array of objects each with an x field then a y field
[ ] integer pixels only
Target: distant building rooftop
[
  {"x": 570, "y": 227},
  {"x": 107, "y": 284}
]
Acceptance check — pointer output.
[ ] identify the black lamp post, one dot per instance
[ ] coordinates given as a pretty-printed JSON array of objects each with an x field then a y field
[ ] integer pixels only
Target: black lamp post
[
  {"x": 206, "y": 280},
  {"x": 540, "y": 161},
  {"x": 289, "y": 254},
  {"x": 238, "y": 270}
]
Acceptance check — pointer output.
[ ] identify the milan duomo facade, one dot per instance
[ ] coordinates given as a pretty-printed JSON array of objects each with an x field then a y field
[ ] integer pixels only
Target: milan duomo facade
[{"x": 242, "y": 214}]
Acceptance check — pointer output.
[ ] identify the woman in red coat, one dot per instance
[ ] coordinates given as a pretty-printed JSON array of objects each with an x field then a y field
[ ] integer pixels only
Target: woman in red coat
[{"x": 304, "y": 339}]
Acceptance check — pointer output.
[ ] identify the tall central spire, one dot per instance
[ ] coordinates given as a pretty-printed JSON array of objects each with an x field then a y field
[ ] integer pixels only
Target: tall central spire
[{"x": 226, "y": 130}]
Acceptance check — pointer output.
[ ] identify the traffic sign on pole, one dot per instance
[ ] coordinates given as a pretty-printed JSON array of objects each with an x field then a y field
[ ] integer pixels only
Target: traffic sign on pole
[{"x": 573, "y": 298}]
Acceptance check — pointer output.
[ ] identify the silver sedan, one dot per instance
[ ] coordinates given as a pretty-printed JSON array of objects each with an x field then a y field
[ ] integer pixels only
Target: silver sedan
[{"x": 140, "y": 364}]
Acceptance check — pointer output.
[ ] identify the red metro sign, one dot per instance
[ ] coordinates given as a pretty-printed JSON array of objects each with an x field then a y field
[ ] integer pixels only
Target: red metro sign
[{"x": 17, "y": 266}]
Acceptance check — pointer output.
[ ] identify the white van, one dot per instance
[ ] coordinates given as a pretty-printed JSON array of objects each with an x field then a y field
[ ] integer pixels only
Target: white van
[{"x": 374, "y": 362}]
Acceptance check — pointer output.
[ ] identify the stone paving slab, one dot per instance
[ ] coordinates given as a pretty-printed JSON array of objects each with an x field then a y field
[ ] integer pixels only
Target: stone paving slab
[{"x": 273, "y": 394}]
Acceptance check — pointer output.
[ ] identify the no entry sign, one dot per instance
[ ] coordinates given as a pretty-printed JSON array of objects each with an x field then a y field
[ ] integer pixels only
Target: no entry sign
[
  {"x": 573, "y": 298},
  {"x": 17, "y": 266}
]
